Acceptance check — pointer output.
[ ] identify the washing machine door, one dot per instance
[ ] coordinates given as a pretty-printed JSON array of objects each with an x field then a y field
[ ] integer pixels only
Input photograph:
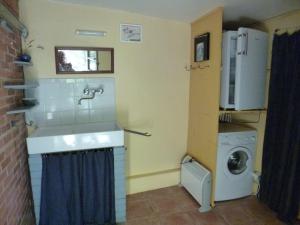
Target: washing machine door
[{"x": 238, "y": 162}]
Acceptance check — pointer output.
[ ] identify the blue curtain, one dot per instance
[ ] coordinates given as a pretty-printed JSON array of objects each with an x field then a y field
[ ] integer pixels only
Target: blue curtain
[
  {"x": 280, "y": 181},
  {"x": 78, "y": 188}
]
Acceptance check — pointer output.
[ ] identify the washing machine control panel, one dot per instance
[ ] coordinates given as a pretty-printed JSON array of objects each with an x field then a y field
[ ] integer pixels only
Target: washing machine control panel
[{"x": 237, "y": 138}]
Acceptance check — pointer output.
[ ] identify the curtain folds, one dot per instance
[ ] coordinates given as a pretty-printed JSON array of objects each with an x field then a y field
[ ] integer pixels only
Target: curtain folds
[
  {"x": 280, "y": 181},
  {"x": 78, "y": 188}
]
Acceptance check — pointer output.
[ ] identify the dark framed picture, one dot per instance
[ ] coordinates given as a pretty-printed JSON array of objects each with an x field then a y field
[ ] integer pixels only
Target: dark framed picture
[{"x": 201, "y": 48}]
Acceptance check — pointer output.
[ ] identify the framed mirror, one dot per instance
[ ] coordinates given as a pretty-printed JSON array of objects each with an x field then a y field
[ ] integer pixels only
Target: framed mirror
[{"x": 84, "y": 60}]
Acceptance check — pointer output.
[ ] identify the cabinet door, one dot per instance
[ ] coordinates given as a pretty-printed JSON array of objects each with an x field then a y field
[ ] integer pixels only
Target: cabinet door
[{"x": 251, "y": 69}]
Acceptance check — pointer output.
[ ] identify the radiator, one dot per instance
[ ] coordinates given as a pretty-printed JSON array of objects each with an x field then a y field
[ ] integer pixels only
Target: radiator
[{"x": 196, "y": 179}]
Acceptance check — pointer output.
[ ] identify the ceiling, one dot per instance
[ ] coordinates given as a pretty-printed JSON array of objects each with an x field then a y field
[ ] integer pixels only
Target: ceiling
[{"x": 189, "y": 10}]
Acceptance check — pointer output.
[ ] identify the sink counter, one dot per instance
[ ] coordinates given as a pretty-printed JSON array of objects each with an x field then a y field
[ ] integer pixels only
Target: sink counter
[{"x": 75, "y": 137}]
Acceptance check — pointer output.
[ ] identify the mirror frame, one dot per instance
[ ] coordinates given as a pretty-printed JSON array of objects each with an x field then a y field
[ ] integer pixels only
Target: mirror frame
[{"x": 57, "y": 48}]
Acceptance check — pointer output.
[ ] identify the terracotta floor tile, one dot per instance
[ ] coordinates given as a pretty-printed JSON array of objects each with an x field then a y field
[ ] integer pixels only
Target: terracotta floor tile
[
  {"x": 233, "y": 214},
  {"x": 166, "y": 205},
  {"x": 137, "y": 196},
  {"x": 207, "y": 218},
  {"x": 178, "y": 219},
  {"x": 174, "y": 206},
  {"x": 171, "y": 200},
  {"x": 160, "y": 193},
  {"x": 256, "y": 209},
  {"x": 270, "y": 222},
  {"x": 182, "y": 194},
  {"x": 139, "y": 209},
  {"x": 186, "y": 201},
  {"x": 144, "y": 221}
]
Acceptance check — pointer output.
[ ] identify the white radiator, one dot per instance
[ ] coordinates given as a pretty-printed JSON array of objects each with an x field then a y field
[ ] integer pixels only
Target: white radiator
[{"x": 196, "y": 179}]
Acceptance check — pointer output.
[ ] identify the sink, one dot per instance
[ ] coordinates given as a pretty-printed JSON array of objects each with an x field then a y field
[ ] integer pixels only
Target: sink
[{"x": 75, "y": 137}]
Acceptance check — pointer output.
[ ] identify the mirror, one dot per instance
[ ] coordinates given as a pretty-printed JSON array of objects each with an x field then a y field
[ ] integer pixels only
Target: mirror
[{"x": 70, "y": 60}]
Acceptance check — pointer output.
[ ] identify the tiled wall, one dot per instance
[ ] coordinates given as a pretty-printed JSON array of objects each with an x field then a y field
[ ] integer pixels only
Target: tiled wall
[
  {"x": 58, "y": 102},
  {"x": 15, "y": 192}
]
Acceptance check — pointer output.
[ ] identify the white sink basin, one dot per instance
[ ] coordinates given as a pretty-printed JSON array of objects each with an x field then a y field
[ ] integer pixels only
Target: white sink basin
[{"x": 75, "y": 137}]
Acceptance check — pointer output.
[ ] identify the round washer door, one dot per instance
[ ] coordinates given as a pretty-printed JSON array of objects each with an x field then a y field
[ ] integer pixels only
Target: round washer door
[{"x": 238, "y": 162}]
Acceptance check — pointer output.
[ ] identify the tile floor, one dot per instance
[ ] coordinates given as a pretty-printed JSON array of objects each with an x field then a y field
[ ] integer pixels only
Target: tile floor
[{"x": 174, "y": 206}]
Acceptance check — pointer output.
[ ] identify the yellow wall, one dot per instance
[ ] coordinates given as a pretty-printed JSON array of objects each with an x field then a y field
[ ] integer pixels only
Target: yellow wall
[
  {"x": 151, "y": 83},
  {"x": 204, "y": 93}
]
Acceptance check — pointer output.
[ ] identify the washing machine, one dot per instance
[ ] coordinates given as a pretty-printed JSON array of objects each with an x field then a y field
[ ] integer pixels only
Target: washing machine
[{"x": 235, "y": 161}]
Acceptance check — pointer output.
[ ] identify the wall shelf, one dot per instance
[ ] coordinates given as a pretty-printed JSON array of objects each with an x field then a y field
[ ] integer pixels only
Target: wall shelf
[
  {"x": 21, "y": 86},
  {"x": 221, "y": 111},
  {"x": 29, "y": 99},
  {"x": 22, "y": 63},
  {"x": 21, "y": 109}
]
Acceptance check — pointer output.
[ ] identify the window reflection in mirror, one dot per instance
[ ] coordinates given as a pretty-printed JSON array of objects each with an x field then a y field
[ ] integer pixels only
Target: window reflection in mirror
[{"x": 84, "y": 60}]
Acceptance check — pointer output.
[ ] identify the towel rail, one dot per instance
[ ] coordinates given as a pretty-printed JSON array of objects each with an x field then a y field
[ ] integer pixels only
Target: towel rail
[{"x": 146, "y": 134}]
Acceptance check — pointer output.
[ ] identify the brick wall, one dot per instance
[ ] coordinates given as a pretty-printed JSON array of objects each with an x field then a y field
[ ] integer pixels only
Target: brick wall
[
  {"x": 12, "y": 5},
  {"x": 15, "y": 192}
]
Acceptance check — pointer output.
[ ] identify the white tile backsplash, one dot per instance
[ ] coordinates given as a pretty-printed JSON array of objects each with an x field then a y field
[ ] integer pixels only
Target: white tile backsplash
[
  {"x": 82, "y": 116},
  {"x": 51, "y": 104},
  {"x": 67, "y": 117},
  {"x": 66, "y": 103},
  {"x": 58, "y": 101},
  {"x": 52, "y": 118},
  {"x": 96, "y": 115}
]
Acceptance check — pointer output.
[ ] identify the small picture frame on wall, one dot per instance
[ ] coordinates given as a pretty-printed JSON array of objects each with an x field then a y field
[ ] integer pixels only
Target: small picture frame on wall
[
  {"x": 131, "y": 33},
  {"x": 201, "y": 48}
]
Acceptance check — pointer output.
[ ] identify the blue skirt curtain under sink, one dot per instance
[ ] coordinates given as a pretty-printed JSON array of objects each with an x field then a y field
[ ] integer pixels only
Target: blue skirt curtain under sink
[{"x": 78, "y": 188}]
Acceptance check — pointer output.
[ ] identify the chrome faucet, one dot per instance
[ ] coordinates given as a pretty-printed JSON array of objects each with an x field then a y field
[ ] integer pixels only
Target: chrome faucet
[{"x": 90, "y": 93}]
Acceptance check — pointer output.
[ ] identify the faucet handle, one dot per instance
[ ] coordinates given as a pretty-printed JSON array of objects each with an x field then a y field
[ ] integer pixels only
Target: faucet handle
[
  {"x": 86, "y": 91},
  {"x": 98, "y": 90},
  {"x": 101, "y": 90}
]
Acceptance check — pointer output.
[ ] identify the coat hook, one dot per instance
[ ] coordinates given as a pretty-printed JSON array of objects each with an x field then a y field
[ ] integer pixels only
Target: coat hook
[
  {"x": 190, "y": 67},
  {"x": 204, "y": 67},
  {"x": 187, "y": 68}
]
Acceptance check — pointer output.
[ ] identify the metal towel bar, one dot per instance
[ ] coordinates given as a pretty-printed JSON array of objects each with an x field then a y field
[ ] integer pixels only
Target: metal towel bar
[{"x": 146, "y": 134}]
